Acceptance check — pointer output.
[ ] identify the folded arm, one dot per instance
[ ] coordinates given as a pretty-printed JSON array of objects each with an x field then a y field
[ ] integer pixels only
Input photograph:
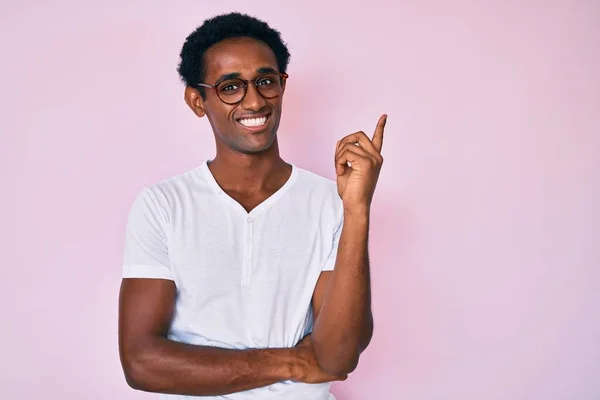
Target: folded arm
[{"x": 153, "y": 363}]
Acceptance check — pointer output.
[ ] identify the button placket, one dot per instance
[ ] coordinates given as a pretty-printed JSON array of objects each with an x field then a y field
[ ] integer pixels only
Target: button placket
[{"x": 248, "y": 253}]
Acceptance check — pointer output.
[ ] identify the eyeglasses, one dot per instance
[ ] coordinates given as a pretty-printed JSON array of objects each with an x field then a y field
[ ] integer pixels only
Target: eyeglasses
[{"x": 233, "y": 91}]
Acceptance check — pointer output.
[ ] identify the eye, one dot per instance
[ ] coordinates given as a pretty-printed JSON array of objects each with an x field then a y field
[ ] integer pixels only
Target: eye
[
  {"x": 229, "y": 87},
  {"x": 265, "y": 81}
]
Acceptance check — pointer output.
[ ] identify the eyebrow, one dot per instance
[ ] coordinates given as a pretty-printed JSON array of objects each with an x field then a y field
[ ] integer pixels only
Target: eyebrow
[
  {"x": 232, "y": 75},
  {"x": 265, "y": 70},
  {"x": 237, "y": 75}
]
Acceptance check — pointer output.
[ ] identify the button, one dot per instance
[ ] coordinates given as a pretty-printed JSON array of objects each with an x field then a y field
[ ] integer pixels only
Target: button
[{"x": 249, "y": 220}]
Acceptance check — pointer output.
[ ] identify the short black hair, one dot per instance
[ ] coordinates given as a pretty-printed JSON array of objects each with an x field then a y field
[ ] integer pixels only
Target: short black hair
[{"x": 221, "y": 27}]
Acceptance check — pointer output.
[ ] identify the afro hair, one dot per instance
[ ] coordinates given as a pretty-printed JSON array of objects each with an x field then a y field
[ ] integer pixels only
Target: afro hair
[{"x": 221, "y": 27}]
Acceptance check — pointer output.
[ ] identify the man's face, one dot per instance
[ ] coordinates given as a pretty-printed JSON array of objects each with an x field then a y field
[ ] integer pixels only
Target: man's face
[{"x": 249, "y": 58}]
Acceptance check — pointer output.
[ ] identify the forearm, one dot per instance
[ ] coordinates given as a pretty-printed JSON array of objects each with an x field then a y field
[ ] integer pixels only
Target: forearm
[
  {"x": 164, "y": 366},
  {"x": 345, "y": 325}
]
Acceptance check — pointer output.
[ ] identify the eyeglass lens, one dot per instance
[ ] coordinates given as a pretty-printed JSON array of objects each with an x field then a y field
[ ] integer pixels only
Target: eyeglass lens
[{"x": 233, "y": 90}]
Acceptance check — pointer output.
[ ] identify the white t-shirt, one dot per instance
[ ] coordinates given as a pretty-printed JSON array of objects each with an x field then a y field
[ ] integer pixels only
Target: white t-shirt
[{"x": 244, "y": 280}]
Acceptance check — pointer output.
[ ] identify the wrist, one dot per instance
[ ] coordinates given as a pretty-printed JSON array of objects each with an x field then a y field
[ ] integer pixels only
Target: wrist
[
  {"x": 294, "y": 369},
  {"x": 359, "y": 212}
]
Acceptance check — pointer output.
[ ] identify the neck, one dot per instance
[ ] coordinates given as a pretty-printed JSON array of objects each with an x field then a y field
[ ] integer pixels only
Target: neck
[{"x": 250, "y": 173}]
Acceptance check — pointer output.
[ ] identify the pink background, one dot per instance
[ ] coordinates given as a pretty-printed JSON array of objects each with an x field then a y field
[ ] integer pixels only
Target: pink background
[{"x": 485, "y": 241}]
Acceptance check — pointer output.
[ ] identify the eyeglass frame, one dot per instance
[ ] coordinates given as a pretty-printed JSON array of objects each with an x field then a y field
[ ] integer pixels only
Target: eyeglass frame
[{"x": 245, "y": 82}]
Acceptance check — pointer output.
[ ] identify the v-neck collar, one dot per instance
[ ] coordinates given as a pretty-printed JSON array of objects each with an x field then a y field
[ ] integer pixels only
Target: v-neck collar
[{"x": 237, "y": 206}]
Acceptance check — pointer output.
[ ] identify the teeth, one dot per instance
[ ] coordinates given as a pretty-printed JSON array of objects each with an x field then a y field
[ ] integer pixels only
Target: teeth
[{"x": 253, "y": 121}]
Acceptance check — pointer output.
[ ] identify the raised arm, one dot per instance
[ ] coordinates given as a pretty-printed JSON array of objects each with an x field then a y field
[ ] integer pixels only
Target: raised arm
[
  {"x": 342, "y": 304},
  {"x": 342, "y": 299},
  {"x": 153, "y": 363}
]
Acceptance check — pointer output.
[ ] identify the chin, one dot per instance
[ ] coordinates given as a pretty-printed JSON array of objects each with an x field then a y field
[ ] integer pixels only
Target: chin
[
  {"x": 258, "y": 146},
  {"x": 256, "y": 149}
]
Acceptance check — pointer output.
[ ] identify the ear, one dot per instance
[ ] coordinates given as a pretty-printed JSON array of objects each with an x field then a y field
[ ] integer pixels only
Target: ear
[{"x": 194, "y": 101}]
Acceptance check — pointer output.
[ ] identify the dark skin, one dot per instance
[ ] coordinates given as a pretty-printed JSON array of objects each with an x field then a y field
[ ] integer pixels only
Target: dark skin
[
  {"x": 247, "y": 165},
  {"x": 249, "y": 169}
]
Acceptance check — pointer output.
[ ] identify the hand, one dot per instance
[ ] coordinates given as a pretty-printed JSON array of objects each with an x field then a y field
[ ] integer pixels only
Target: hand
[
  {"x": 306, "y": 367},
  {"x": 358, "y": 162}
]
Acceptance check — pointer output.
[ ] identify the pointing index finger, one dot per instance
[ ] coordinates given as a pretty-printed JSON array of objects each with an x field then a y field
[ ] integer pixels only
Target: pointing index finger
[{"x": 378, "y": 135}]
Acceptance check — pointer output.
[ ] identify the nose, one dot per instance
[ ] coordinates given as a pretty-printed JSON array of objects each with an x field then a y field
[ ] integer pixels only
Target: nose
[{"x": 253, "y": 100}]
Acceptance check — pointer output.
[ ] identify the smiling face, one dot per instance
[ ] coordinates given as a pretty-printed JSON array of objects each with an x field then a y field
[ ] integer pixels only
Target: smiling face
[{"x": 249, "y": 126}]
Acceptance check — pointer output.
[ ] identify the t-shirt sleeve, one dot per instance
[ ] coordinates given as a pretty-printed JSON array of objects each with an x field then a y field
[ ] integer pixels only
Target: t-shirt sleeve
[
  {"x": 146, "y": 249},
  {"x": 329, "y": 264}
]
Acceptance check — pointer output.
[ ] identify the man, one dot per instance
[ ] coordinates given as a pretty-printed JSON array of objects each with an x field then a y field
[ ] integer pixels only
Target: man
[{"x": 227, "y": 266}]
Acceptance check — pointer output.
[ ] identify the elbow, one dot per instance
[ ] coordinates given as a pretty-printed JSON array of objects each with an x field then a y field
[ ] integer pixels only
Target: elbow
[
  {"x": 137, "y": 373},
  {"x": 343, "y": 367},
  {"x": 341, "y": 357},
  {"x": 336, "y": 360},
  {"x": 338, "y": 365},
  {"x": 135, "y": 376}
]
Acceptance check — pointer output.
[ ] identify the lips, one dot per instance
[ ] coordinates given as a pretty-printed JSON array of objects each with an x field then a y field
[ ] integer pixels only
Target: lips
[{"x": 254, "y": 122}]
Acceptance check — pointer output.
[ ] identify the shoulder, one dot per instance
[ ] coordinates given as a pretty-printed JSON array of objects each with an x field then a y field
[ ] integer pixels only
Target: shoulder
[
  {"x": 166, "y": 194},
  {"x": 309, "y": 180},
  {"x": 320, "y": 189}
]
